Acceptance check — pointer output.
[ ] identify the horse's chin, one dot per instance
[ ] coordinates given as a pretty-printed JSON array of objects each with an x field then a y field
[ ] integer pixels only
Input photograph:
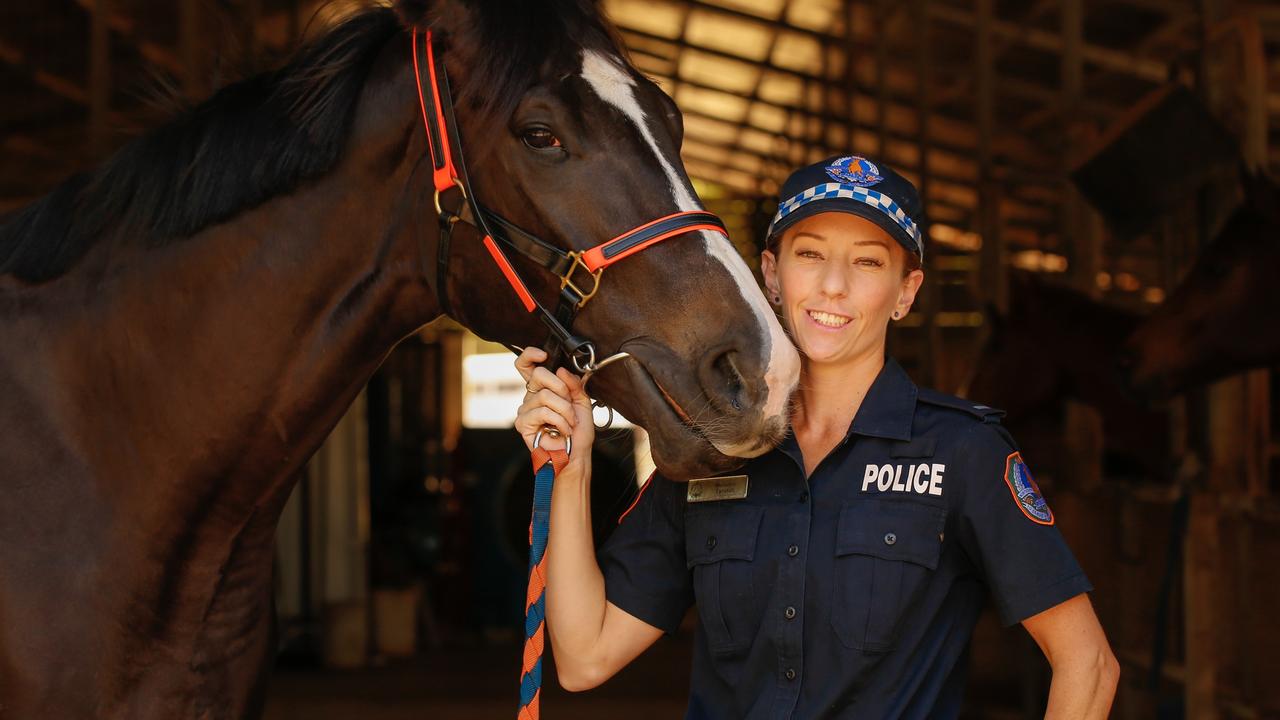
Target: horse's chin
[
  {"x": 681, "y": 450},
  {"x": 680, "y": 457}
]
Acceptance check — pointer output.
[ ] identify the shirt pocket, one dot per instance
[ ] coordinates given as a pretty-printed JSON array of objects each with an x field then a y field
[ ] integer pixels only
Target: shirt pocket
[
  {"x": 885, "y": 554},
  {"x": 720, "y": 545}
]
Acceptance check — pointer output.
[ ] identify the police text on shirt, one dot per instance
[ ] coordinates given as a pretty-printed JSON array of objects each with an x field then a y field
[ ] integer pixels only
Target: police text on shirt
[{"x": 925, "y": 478}]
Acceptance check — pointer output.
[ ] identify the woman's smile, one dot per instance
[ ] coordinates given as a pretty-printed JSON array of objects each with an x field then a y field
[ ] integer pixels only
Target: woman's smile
[{"x": 828, "y": 320}]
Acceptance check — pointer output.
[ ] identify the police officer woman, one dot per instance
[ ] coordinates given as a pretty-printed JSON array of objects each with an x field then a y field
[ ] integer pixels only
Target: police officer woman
[{"x": 839, "y": 575}]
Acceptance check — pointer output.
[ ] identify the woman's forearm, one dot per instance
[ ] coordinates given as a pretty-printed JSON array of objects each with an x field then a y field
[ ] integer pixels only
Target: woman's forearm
[
  {"x": 576, "y": 604},
  {"x": 1083, "y": 687}
]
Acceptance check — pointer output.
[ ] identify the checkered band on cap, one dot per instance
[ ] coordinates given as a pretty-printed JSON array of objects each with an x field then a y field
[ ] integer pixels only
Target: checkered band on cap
[{"x": 877, "y": 200}]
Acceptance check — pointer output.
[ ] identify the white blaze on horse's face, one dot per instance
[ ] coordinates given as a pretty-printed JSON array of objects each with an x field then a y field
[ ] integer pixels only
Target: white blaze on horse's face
[{"x": 616, "y": 86}]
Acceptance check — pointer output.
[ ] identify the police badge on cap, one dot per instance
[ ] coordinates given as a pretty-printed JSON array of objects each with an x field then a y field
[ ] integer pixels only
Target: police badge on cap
[{"x": 855, "y": 170}]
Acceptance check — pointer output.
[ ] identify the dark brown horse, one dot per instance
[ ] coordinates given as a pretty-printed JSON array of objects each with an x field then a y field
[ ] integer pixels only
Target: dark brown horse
[
  {"x": 1057, "y": 344},
  {"x": 1221, "y": 319},
  {"x": 182, "y": 327}
]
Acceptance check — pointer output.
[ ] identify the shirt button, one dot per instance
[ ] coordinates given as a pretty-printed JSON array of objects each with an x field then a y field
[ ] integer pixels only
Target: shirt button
[
  {"x": 789, "y": 613},
  {"x": 711, "y": 542},
  {"x": 794, "y": 550},
  {"x": 790, "y": 674},
  {"x": 890, "y": 538},
  {"x": 804, "y": 496}
]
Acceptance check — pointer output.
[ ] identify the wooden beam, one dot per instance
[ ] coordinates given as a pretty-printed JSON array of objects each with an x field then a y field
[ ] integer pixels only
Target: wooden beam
[
  {"x": 60, "y": 86},
  {"x": 1008, "y": 86},
  {"x": 1116, "y": 60},
  {"x": 1009, "y": 145},
  {"x": 99, "y": 73},
  {"x": 1034, "y": 212},
  {"x": 718, "y": 171},
  {"x": 189, "y": 45},
  {"x": 1010, "y": 32},
  {"x": 882, "y": 11},
  {"x": 993, "y": 278},
  {"x": 124, "y": 26},
  {"x": 1083, "y": 261},
  {"x": 991, "y": 45},
  {"x": 931, "y": 364}
]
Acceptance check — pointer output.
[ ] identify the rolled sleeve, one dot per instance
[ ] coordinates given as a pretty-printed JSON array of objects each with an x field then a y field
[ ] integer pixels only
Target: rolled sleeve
[
  {"x": 1024, "y": 560},
  {"x": 643, "y": 561}
]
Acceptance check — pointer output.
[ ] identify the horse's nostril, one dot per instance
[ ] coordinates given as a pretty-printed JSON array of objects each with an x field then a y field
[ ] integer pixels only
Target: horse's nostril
[{"x": 732, "y": 378}]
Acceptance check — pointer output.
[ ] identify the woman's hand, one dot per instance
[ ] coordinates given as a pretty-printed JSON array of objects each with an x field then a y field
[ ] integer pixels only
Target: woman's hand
[{"x": 557, "y": 400}]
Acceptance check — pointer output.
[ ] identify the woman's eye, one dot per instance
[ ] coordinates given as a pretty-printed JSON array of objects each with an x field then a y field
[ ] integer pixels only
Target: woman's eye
[
  {"x": 809, "y": 254},
  {"x": 871, "y": 262},
  {"x": 540, "y": 139}
]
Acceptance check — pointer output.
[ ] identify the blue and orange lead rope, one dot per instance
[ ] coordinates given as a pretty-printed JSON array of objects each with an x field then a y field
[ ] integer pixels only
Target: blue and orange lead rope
[{"x": 546, "y": 465}]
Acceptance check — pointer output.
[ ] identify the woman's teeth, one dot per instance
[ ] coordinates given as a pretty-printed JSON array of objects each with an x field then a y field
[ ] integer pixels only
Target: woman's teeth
[{"x": 828, "y": 320}]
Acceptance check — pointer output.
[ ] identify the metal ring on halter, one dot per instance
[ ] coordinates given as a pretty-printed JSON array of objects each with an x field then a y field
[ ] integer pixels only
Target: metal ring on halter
[
  {"x": 552, "y": 432},
  {"x": 440, "y": 211},
  {"x": 590, "y": 350},
  {"x": 594, "y": 366},
  {"x": 601, "y": 365},
  {"x": 608, "y": 423}
]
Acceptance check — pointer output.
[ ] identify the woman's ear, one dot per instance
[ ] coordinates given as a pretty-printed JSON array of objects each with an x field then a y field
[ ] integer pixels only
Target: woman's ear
[
  {"x": 907, "y": 296},
  {"x": 769, "y": 270}
]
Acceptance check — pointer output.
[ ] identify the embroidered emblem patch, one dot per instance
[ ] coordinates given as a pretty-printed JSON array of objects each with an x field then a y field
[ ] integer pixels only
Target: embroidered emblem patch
[
  {"x": 855, "y": 170},
  {"x": 1025, "y": 491}
]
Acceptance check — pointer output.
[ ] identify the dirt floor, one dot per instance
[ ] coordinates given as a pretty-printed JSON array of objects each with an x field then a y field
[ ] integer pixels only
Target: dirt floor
[{"x": 480, "y": 683}]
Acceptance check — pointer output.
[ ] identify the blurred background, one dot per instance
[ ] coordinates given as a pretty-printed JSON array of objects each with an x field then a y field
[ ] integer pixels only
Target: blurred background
[{"x": 1102, "y": 267}]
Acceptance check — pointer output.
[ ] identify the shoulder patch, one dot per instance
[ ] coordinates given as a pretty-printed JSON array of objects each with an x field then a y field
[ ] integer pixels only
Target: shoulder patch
[
  {"x": 985, "y": 413},
  {"x": 1025, "y": 491}
]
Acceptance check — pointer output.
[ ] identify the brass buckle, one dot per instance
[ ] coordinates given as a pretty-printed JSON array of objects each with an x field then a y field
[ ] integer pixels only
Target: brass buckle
[{"x": 566, "y": 280}]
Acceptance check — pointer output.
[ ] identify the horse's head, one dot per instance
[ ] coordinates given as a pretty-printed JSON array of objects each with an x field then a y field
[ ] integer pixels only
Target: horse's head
[
  {"x": 1013, "y": 343},
  {"x": 1209, "y": 326},
  {"x": 570, "y": 143}
]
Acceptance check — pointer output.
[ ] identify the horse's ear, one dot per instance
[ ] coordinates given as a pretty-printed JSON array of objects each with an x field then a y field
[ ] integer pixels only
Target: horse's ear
[
  {"x": 995, "y": 321},
  {"x": 415, "y": 13},
  {"x": 1260, "y": 193},
  {"x": 1022, "y": 289}
]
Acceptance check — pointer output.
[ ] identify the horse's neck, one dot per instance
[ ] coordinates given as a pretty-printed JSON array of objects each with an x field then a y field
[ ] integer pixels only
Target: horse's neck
[
  {"x": 241, "y": 346},
  {"x": 177, "y": 390}
]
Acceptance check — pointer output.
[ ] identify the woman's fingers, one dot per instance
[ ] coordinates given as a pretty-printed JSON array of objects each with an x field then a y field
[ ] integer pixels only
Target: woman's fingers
[
  {"x": 528, "y": 359},
  {"x": 544, "y": 378},
  {"x": 573, "y": 386},
  {"x": 558, "y": 403},
  {"x": 536, "y": 418}
]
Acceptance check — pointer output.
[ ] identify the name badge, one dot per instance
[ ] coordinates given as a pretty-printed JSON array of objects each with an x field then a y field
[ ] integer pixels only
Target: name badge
[{"x": 729, "y": 487}]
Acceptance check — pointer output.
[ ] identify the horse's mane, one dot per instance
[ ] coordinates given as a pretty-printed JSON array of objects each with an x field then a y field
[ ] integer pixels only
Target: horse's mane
[{"x": 269, "y": 134}]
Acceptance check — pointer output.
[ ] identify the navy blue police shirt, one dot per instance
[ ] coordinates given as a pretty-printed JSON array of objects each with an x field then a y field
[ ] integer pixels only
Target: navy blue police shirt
[{"x": 854, "y": 594}]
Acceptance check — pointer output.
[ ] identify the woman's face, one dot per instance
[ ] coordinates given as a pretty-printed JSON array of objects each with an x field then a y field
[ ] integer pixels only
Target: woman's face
[{"x": 840, "y": 278}]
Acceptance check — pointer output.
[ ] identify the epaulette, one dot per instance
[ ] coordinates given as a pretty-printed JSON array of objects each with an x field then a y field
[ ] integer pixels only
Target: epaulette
[{"x": 985, "y": 413}]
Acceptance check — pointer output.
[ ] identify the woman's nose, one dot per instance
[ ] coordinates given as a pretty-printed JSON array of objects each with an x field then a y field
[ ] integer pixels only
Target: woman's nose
[{"x": 835, "y": 282}]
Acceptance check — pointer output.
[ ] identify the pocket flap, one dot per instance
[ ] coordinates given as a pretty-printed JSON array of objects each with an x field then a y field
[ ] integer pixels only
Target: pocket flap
[
  {"x": 904, "y": 531},
  {"x": 720, "y": 533}
]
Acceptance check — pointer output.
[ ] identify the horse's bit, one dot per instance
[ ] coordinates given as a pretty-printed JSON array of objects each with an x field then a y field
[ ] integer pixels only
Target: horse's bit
[{"x": 450, "y": 173}]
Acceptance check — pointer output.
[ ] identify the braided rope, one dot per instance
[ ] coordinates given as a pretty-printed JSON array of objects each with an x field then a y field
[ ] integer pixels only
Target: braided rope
[{"x": 546, "y": 465}]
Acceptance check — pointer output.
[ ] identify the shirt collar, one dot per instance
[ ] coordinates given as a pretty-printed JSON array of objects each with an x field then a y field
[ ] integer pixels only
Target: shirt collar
[
  {"x": 889, "y": 407},
  {"x": 886, "y": 412}
]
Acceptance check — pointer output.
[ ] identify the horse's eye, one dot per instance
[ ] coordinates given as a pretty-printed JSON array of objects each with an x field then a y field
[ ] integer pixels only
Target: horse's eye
[{"x": 540, "y": 139}]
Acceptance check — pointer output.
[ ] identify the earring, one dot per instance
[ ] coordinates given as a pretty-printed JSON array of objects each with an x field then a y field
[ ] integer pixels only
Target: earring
[
  {"x": 777, "y": 299},
  {"x": 896, "y": 314}
]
